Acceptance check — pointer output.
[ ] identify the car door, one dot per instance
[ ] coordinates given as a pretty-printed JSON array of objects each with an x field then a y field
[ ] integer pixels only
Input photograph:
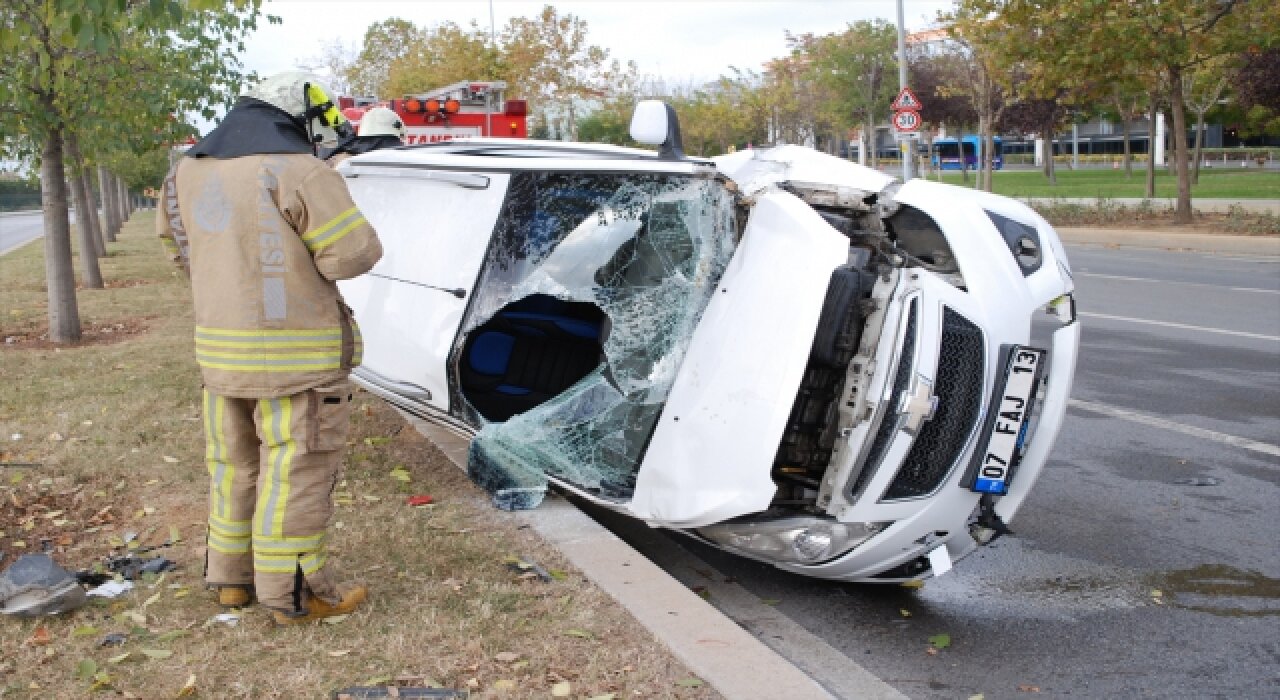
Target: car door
[{"x": 434, "y": 225}]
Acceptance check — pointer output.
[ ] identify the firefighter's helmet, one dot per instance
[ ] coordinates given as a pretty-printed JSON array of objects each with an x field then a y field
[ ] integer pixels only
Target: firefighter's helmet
[
  {"x": 304, "y": 96},
  {"x": 381, "y": 121}
]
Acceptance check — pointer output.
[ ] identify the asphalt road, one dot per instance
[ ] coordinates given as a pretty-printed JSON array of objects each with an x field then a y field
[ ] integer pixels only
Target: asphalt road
[
  {"x": 1145, "y": 563},
  {"x": 18, "y": 228}
]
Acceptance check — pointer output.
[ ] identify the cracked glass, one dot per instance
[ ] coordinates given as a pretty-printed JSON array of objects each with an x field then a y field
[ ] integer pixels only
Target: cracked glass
[{"x": 605, "y": 273}]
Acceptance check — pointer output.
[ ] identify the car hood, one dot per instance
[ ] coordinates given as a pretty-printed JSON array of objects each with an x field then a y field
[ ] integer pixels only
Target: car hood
[{"x": 755, "y": 170}]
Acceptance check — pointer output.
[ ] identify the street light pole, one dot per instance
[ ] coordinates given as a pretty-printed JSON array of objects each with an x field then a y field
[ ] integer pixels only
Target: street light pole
[{"x": 908, "y": 148}]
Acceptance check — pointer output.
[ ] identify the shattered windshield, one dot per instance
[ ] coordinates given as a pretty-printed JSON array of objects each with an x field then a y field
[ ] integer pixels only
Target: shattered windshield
[{"x": 591, "y": 289}]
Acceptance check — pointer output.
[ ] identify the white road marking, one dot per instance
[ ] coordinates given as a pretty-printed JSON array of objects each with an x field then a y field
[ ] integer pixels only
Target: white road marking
[
  {"x": 1188, "y": 284},
  {"x": 1155, "y": 422},
  {"x": 1184, "y": 326}
]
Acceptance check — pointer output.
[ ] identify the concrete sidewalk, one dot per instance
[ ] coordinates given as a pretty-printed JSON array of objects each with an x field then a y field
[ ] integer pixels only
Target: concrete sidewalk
[{"x": 1166, "y": 239}]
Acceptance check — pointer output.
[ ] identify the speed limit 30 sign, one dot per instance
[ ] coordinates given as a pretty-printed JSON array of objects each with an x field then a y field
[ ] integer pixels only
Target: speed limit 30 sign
[{"x": 906, "y": 120}]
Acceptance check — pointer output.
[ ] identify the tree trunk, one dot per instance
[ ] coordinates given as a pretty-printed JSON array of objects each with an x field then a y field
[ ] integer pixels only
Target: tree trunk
[
  {"x": 123, "y": 193},
  {"x": 92, "y": 275},
  {"x": 1182, "y": 212},
  {"x": 1151, "y": 148},
  {"x": 95, "y": 222},
  {"x": 108, "y": 203},
  {"x": 1128, "y": 152},
  {"x": 1195, "y": 174},
  {"x": 82, "y": 195},
  {"x": 60, "y": 277}
]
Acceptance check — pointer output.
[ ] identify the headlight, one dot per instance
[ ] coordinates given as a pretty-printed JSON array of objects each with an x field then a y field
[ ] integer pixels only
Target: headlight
[{"x": 800, "y": 540}]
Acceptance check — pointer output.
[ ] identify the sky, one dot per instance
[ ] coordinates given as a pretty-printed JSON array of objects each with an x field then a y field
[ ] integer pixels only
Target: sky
[{"x": 682, "y": 42}]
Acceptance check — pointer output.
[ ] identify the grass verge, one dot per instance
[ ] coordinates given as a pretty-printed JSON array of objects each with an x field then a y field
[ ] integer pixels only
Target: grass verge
[
  {"x": 1227, "y": 183},
  {"x": 103, "y": 440},
  {"x": 1148, "y": 214}
]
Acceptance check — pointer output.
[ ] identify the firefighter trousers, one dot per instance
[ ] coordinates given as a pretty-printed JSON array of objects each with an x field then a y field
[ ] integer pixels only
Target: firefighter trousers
[{"x": 273, "y": 464}]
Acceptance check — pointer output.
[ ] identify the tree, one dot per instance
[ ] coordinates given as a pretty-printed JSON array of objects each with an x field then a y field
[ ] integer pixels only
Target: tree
[
  {"x": 447, "y": 54},
  {"x": 128, "y": 55},
  {"x": 550, "y": 61},
  {"x": 853, "y": 71},
  {"x": 933, "y": 72},
  {"x": 1203, "y": 86},
  {"x": 1256, "y": 83},
  {"x": 385, "y": 43},
  {"x": 1079, "y": 40}
]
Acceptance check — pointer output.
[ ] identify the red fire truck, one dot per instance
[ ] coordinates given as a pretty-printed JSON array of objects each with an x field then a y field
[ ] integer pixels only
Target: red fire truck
[{"x": 468, "y": 108}]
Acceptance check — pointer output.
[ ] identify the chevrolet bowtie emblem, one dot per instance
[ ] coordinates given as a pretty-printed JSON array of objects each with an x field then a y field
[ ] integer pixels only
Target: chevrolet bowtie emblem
[{"x": 918, "y": 404}]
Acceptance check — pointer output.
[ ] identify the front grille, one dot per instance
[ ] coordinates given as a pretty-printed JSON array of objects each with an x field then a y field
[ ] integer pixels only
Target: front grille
[
  {"x": 959, "y": 388},
  {"x": 889, "y": 420}
]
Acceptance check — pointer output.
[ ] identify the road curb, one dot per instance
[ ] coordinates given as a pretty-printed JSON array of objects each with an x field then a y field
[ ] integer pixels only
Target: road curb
[
  {"x": 1190, "y": 241},
  {"x": 718, "y": 651}
]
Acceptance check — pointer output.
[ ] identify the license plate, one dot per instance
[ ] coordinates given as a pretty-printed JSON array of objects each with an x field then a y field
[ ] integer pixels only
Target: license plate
[{"x": 1006, "y": 426}]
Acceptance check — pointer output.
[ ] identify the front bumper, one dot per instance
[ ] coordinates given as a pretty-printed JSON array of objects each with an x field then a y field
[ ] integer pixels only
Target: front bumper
[{"x": 906, "y": 471}]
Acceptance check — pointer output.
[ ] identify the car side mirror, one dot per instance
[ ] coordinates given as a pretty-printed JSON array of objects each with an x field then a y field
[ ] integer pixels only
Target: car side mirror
[{"x": 654, "y": 122}]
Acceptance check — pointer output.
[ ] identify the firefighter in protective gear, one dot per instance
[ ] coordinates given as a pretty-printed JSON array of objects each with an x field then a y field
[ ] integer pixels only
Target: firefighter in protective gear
[
  {"x": 266, "y": 229},
  {"x": 379, "y": 128}
]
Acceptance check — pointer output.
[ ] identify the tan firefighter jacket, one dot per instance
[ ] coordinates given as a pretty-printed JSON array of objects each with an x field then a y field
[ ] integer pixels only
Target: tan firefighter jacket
[{"x": 265, "y": 237}]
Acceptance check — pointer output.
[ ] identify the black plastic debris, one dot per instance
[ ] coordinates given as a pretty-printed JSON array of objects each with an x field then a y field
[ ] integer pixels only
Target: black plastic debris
[
  {"x": 131, "y": 568},
  {"x": 526, "y": 566},
  {"x": 114, "y": 639},
  {"x": 34, "y": 585},
  {"x": 382, "y": 691}
]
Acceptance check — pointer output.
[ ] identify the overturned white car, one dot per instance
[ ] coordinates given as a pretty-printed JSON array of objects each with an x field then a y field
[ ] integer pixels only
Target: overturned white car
[{"x": 782, "y": 353}]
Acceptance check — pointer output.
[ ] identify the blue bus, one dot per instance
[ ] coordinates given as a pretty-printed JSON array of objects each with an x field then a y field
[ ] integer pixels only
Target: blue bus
[{"x": 947, "y": 153}]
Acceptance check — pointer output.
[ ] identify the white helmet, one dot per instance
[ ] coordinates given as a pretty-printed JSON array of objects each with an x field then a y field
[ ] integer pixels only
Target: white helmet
[
  {"x": 381, "y": 121},
  {"x": 296, "y": 92}
]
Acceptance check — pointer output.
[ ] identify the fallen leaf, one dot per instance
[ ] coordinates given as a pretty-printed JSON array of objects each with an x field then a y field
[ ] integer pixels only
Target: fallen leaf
[
  {"x": 86, "y": 669},
  {"x": 135, "y": 617},
  {"x": 119, "y": 659},
  {"x": 377, "y": 440},
  {"x": 561, "y": 690},
  {"x": 371, "y": 498},
  {"x": 101, "y": 680},
  {"x": 40, "y": 637},
  {"x": 940, "y": 641},
  {"x": 506, "y": 657},
  {"x": 175, "y": 535},
  {"x": 189, "y": 688},
  {"x": 689, "y": 683},
  {"x": 151, "y": 600},
  {"x": 606, "y": 696},
  {"x": 170, "y": 460},
  {"x": 582, "y": 634},
  {"x": 86, "y": 631},
  {"x": 157, "y": 653},
  {"x": 1029, "y": 688},
  {"x": 912, "y": 584},
  {"x": 339, "y": 652},
  {"x": 770, "y": 601},
  {"x": 401, "y": 474},
  {"x": 182, "y": 593},
  {"x": 504, "y": 684},
  {"x": 904, "y": 612},
  {"x": 335, "y": 619},
  {"x": 519, "y": 665}
]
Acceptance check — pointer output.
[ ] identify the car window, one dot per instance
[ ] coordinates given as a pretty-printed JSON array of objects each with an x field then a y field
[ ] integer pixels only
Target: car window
[{"x": 646, "y": 251}]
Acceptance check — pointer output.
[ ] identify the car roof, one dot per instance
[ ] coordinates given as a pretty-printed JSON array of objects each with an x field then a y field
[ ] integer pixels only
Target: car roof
[{"x": 528, "y": 154}]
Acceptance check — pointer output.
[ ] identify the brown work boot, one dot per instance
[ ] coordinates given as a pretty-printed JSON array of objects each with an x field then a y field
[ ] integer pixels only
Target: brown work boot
[
  {"x": 234, "y": 596},
  {"x": 317, "y": 609}
]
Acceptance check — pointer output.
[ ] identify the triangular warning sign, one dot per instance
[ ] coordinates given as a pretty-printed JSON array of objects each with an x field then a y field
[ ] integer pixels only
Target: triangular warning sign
[{"x": 905, "y": 100}]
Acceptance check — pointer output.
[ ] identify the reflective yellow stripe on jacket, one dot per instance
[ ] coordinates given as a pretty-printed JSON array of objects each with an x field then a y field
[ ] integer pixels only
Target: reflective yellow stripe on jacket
[
  {"x": 269, "y": 350},
  {"x": 333, "y": 230}
]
